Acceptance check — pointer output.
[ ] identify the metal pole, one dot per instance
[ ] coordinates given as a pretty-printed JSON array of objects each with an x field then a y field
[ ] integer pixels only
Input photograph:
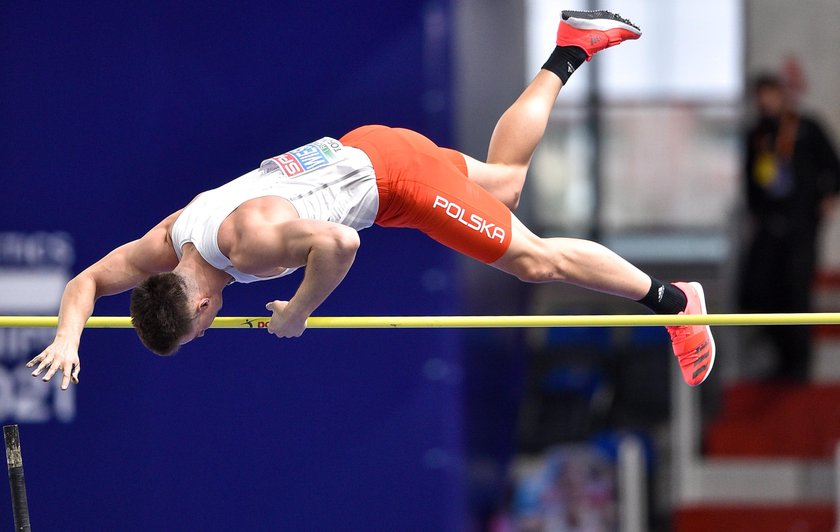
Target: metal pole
[
  {"x": 632, "y": 488},
  {"x": 17, "y": 483}
]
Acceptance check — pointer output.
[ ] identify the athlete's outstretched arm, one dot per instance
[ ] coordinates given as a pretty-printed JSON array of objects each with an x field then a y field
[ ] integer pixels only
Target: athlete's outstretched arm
[
  {"x": 327, "y": 250},
  {"x": 120, "y": 270}
]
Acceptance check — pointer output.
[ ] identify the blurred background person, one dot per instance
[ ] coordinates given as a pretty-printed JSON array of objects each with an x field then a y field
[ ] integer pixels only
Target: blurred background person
[{"x": 792, "y": 178}]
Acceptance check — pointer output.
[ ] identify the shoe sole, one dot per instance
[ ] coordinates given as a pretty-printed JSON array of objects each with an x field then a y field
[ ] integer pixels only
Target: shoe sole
[
  {"x": 697, "y": 286},
  {"x": 598, "y": 20}
]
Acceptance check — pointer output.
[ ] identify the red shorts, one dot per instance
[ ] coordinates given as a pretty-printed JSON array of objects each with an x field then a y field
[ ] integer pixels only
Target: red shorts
[{"x": 425, "y": 187}]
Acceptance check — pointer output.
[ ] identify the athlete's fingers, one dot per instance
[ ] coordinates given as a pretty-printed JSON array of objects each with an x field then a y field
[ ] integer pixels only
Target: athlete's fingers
[
  {"x": 49, "y": 375},
  {"x": 75, "y": 373},
  {"x": 35, "y": 359},
  {"x": 276, "y": 305},
  {"x": 65, "y": 380},
  {"x": 44, "y": 363}
]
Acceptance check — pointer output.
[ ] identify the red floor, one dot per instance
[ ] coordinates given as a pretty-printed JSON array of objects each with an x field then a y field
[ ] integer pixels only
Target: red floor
[{"x": 803, "y": 518}]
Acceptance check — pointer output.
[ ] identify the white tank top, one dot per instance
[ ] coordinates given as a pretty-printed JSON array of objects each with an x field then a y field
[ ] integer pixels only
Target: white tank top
[{"x": 323, "y": 180}]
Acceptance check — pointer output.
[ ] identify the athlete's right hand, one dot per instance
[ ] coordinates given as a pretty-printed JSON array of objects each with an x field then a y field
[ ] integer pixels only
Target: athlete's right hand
[{"x": 60, "y": 355}]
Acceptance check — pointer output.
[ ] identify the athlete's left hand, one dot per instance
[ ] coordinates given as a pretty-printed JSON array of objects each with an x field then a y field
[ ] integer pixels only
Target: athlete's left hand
[{"x": 284, "y": 324}]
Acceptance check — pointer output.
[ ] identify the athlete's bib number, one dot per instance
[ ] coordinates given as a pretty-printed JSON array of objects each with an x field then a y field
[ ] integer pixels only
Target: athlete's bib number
[{"x": 307, "y": 158}]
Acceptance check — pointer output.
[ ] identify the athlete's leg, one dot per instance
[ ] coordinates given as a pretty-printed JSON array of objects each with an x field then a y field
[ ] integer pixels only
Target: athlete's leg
[
  {"x": 522, "y": 126},
  {"x": 515, "y": 139},
  {"x": 591, "y": 265},
  {"x": 579, "y": 262}
]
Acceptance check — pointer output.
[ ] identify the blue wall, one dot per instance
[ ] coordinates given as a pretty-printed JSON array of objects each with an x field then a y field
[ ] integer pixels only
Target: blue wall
[{"x": 115, "y": 115}]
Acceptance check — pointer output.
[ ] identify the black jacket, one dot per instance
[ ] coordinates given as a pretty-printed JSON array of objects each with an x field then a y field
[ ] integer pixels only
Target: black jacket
[{"x": 814, "y": 173}]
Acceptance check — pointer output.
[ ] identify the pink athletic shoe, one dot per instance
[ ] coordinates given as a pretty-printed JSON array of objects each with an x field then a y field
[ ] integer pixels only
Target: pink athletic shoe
[
  {"x": 594, "y": 31},
  {"x": 694, "y": 346}
]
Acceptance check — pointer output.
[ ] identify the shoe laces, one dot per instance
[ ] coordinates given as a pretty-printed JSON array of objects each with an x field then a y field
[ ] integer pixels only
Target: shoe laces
[{"x": 679, "y": 332}]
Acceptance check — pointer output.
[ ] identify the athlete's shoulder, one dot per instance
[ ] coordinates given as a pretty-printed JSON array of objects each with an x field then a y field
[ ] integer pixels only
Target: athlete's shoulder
[
  {"x": 163, "y": 229},
  {"x": 154, "y": 251}
]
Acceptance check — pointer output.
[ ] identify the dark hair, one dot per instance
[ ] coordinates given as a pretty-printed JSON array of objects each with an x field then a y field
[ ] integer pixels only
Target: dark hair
[
  {"x": 160, "y": 313},
  {"x": 766, "y": 80}
]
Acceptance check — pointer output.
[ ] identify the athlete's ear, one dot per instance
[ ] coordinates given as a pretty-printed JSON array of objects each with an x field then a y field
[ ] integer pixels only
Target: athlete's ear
[{"x": 203, "y": 304}]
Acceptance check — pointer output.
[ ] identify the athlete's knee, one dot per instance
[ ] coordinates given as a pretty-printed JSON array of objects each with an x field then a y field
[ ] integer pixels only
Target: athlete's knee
[
  {"x": 513, "y": 180},
  {"x": 512, "y": 198}
]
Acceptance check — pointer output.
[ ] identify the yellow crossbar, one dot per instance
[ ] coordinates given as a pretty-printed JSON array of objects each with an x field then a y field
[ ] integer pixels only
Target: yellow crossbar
[{"x": 459, "y": 322}]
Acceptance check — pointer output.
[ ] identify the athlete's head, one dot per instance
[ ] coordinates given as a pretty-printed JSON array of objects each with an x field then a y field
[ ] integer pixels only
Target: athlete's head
[{"x": 168, "y": 310}]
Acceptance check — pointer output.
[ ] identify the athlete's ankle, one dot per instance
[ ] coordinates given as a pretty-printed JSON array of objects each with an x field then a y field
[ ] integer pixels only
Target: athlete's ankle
[
  {"x": 664, "y": 298},
  {"x": 564, "y": 60}
]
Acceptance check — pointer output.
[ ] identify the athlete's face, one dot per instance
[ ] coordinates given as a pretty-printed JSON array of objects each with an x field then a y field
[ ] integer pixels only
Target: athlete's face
[{"x": 207, "y": 309}]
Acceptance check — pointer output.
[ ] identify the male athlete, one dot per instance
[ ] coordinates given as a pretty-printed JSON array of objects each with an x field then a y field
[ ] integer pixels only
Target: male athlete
[{"x": 304, "y": 208}]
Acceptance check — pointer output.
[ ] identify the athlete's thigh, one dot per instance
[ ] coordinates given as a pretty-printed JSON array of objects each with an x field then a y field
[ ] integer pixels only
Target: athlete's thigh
[{"x": 434, "y": 197}]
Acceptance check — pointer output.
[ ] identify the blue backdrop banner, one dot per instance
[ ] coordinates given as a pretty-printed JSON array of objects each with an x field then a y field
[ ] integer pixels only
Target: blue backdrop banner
[{"x": 116, "y": 114}]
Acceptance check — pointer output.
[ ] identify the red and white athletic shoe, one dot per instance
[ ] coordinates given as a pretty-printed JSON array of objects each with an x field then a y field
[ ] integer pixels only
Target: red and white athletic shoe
[
  {"x": 694, "y": 346},
  {"x": 594, "y": 31}
]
